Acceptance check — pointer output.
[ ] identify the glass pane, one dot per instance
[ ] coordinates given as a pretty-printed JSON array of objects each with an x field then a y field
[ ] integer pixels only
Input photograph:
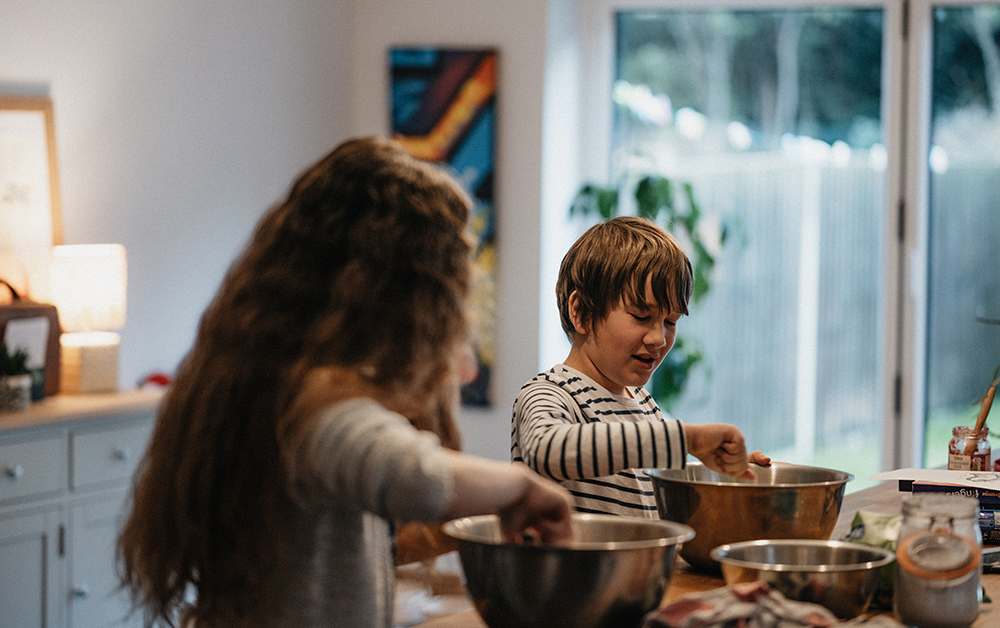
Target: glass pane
[
  {"x": 773, "y": 118},
  {"x": 963, "y": 317}
]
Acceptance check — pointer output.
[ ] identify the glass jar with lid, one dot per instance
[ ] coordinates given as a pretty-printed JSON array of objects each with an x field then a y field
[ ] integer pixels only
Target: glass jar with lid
[{"x": 938, "y": 561}]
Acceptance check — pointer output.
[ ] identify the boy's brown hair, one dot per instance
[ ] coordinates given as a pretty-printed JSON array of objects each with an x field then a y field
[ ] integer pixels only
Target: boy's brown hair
[{"x": 611, "y": 263}]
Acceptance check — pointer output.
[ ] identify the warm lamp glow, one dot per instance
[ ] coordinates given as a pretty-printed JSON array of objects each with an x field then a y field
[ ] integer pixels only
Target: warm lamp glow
[{"x": 88, "y": 286}]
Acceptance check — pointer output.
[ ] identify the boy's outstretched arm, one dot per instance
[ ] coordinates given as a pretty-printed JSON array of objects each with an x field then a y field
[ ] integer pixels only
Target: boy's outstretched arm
[{"x": 721, "y": 447}]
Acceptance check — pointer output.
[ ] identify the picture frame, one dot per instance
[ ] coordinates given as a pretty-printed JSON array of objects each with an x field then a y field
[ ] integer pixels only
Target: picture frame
[{"x": 30, "y": 212}]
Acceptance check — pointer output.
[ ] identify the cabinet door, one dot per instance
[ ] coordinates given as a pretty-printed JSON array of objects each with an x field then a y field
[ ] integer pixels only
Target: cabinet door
[
  {"x": 95, "y": 600},
  {"x": 29, "y": 547}
]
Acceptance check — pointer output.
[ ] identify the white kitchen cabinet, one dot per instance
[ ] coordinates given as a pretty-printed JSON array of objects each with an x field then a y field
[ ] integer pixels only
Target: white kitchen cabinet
[
  {"x": 29, "y": 574},
  {"x": 92, "y": 581},
  {"x": 66, "y": 466}
]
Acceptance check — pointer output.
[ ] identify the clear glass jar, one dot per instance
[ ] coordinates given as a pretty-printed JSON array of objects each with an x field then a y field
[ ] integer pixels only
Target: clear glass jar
[
  {"x": 962, "y": 456},
  {"x": 938, "y": 561}
]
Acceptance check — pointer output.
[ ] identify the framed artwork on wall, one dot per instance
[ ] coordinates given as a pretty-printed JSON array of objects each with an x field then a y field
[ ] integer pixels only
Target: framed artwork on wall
[
  {"x": 30, "y": 218},
  {"x": 30, "y": 224},
  {"x": 443, "y": 110}
]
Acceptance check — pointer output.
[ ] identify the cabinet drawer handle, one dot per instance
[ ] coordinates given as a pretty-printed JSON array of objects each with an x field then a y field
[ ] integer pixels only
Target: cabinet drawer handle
[
  {"x": 81, "y": 591},
  {"x": 14, "y": 473},
  {"x": 122, "y": 454}
]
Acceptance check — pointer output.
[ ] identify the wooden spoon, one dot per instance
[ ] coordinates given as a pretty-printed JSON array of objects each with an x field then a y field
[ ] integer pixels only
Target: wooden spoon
[{"x": 983, "y": 412}]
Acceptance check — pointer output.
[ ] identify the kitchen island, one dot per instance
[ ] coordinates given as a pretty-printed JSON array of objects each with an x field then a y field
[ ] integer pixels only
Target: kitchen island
[{"x": 882, "y": 498}]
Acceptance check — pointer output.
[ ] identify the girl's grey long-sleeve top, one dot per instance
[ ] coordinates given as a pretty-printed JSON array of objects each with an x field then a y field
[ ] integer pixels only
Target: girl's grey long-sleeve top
[{"x": 366, "y": 466}]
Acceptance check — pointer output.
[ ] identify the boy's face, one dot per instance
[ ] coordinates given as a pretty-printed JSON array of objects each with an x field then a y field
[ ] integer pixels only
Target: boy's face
[{"x": 626, "y": 347}]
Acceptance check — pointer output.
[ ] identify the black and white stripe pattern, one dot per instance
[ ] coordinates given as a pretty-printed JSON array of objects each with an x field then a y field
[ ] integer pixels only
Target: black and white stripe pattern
[{"x": 570, "y": 429}]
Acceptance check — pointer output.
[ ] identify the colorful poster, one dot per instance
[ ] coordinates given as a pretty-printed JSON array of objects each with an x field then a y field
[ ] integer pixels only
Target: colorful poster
[{"x": 443, "y": 111}]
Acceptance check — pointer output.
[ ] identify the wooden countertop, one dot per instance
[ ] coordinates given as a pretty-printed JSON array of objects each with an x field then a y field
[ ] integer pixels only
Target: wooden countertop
[
  {"x": 882, "y": 498},
  {"x": 64, "y": 408}
]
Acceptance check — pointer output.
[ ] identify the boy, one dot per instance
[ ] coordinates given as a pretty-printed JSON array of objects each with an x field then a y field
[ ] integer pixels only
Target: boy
[{"x": 589, "y": 423}]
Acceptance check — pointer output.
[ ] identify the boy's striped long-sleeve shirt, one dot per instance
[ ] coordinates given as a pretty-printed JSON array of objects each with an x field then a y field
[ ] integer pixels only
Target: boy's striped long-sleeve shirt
[{"x": 570, "y": 429}]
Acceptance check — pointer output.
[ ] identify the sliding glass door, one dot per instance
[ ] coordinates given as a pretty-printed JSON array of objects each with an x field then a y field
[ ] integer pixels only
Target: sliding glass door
[
  {"x": 842, "y": 161},
  {"x": 961, "y": 179},
  {"x": 774, "y": 117}
]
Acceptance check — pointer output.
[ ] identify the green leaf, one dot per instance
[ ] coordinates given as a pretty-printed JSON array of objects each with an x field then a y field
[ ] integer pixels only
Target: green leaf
[
  {"x": 702, "y": 256},
  {"x": 583, "y": 202},
  {"x": 607, "y": 202},
  {"x": 13, "y": 363},
  {"x": 653, "y": 194},
  {"x": 595, "y": 199},
  {"x": 690, "y": 220},
  {"x": 701, "y": 285},
  {"x": 674, "y": 372}
]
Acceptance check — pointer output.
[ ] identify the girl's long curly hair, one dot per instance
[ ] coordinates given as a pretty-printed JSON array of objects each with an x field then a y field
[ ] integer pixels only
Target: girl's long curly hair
[{"x": 363, "y": 267}]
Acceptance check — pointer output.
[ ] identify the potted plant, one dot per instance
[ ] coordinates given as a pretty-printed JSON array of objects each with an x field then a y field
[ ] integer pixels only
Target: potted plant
[{"x": 15, "y": 381}]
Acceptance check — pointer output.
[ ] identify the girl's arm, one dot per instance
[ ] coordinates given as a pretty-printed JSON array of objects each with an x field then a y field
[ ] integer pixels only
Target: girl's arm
[
  {"x": 366, "y": 457},
  {"x": 523, "y": 499}
]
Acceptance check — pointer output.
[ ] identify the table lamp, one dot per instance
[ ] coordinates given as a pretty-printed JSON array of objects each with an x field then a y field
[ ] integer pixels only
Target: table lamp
[{"x": 87, "y": 282}]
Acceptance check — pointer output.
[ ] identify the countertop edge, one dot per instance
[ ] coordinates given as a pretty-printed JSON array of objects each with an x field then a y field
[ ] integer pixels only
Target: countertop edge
[{"x": 67, "y": 408}]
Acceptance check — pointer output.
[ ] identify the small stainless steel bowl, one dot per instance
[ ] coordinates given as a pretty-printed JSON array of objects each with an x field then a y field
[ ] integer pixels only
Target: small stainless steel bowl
[
  {"x": 615, "y": 571},
  {"x": 839, "y": 575},
  {"x": 783, "y": 501}
]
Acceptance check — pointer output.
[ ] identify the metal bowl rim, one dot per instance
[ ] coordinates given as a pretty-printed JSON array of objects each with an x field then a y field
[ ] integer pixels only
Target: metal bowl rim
[
  {"x": 451, "y": 529},
  {"x": 719, "y": 554},
  {"x": 654, "y": 473}
]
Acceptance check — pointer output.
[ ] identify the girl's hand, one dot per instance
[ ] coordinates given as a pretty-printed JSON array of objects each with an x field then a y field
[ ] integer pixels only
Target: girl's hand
[
  {"x": 544, "y": 509},
  {"x": 525, "y": 501}
]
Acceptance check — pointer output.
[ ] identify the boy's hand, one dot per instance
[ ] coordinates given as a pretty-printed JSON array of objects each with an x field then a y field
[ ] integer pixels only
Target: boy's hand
[{"x": 721, "y": 448}]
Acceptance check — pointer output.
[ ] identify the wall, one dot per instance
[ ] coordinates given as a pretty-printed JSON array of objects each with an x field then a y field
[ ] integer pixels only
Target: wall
[
  {"x": 177, "y": 125},
  {"x": 526, "y": 33}
]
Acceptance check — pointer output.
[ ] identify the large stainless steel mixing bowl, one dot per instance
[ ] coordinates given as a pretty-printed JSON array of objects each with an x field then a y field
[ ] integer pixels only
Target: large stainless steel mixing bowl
[
  {"x": 784, "y": 501},
  {"x": 616, "y": 570},
  {"x": 841, "y": 576}
]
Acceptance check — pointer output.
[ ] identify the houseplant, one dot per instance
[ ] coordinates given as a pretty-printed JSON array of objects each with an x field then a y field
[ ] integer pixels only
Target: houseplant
[
  {"x": 15, "y": 381},
  {"x": 674, "y": 205}
]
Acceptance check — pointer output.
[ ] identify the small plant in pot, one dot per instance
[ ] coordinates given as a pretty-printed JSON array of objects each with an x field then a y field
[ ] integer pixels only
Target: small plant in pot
[{"x": 15, "y": 380}]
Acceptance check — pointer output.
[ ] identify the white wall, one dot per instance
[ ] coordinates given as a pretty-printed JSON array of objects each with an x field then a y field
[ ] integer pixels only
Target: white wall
[
  {"x": 564, "y": 144},
  {"x": 518, "y": 29},
  {"x": 177, "y": 125}
]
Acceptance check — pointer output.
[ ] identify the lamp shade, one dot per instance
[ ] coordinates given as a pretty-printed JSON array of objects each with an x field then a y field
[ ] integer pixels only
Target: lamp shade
[{"x": 88, "y": 286}]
